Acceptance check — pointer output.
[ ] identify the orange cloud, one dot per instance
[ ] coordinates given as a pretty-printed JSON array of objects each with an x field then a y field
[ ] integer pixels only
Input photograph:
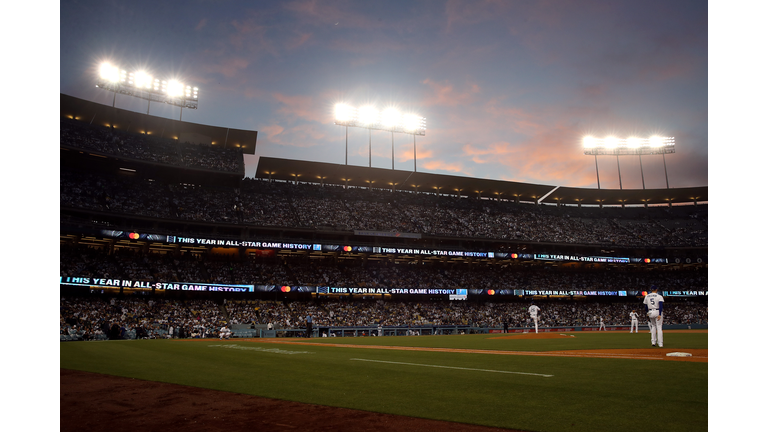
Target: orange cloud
[
  {"x": 489, "y": 153},
  {"x": 439, "y": 165},
  {"x": 271, "y": 131},
  {"x": 519, "y": 121},
  {"x": 551, "y": 156},
  {"x": 302, "y": 107}
]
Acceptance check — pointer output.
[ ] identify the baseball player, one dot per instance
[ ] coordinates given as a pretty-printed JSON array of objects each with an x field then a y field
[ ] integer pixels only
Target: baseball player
[
  {"x": 533, "y": 311},
  {"x": 654, "y": 305},
  {"x": 633, "y": 321},
  {"x": 224, "y": 333},
  {"x": 602, "y": 325}
]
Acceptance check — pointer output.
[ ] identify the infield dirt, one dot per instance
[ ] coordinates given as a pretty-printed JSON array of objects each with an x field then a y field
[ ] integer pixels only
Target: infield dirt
[{"x": 697, "y": 355}]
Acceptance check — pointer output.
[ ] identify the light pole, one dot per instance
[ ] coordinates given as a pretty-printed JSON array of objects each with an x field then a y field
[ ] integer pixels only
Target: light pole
[
  {"x": 389, "y": 119},
  {"x": 629, "y": 146},
  {"x": 393, "y": 150},
  {"x": 141, "y": 84},
  {"x": 598, "y": 172}
]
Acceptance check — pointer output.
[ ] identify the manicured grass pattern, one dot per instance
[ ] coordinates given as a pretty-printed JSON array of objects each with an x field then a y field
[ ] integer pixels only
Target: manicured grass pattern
[{"x": 521, "y": 392}]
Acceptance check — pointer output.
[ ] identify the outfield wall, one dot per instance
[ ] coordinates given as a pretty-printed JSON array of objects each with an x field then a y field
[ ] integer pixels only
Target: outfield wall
[
  {"x": 437, "y": 330},
  {"x": 244, "y": 331}
]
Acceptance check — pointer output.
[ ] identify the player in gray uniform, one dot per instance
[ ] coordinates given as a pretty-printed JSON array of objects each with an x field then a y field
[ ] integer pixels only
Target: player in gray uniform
[{"x": 654, "y": 305}]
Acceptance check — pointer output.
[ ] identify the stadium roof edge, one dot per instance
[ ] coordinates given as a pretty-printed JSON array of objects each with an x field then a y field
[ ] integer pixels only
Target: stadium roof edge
[
  {"x": 95, "y": 113},
  {"x": 382, "y": 178}
]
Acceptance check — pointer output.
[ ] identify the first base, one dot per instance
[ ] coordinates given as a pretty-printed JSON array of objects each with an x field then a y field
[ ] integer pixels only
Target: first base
[{"x": 679, "y": 354}]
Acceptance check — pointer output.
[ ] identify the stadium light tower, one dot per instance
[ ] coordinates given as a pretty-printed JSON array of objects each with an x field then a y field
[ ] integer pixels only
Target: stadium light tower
[
  {"x": 143, "y": 85},
  {"x": 627, "y": 147},
  {"x": 390, "y": 119}
]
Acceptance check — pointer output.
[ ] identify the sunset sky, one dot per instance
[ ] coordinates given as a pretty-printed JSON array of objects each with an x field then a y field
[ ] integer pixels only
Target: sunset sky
[{"x": 508, "y": 88}]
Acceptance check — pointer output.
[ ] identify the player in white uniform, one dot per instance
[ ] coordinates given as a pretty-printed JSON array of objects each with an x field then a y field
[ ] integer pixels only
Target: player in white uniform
[
  {"x": 654, "y": 304},
  {"x": 633, "y": 321},
  {"x": 533, "y": 311},
  {"x": 602, "y": 325},
  {"x": 224, "y": 333}
]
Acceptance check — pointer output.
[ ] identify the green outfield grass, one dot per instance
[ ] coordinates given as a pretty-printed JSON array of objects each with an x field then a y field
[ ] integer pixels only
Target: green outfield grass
[{"x": 522, "y": 392}]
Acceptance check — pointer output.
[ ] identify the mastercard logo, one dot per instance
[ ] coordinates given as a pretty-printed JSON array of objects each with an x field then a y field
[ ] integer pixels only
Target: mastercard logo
[
  {"x": 133, "y": 236},
  {"x": 647, "y": 260},
  {"x": 491, "y": 292},
  {"x": 285, "y": 288},
  {"x": 347, "y": 248},
  {"x": 514, "y": 255}
]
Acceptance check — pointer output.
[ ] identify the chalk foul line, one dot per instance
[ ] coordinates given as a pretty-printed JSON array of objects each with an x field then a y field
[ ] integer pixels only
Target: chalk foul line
[{"x": 452, "y": 367}]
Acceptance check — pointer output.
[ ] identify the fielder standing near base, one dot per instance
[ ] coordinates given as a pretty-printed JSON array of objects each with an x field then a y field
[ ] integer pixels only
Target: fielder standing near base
[
  {"x": 654, "y": 305},
  {"x": 533, "y": 311},
  {"x": 633, "y": 322}
]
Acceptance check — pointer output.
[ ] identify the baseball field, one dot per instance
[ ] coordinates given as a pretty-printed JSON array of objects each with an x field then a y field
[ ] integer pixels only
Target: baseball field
[{"x": 580, "y": 381}]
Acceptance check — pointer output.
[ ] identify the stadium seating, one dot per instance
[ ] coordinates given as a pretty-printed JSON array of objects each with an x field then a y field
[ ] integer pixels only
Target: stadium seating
[{"x": 103, "y": 198}]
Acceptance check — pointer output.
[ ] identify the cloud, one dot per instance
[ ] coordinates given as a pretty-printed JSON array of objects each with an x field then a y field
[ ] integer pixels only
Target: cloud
[
  {"x": 299, "y": 40},
  {"x": 308, "y": 135},
  {"x": 300, "y": 107},
  {"x": 250, "y": 38},
  {"x": 550, "y": 155},
  {"x": 524, "y": 146},
  {"x": 489, "y": 153},
  {"x": 441, "y": 165},
  {"x": 271, "y": 132},
  {"x": 303, "y": 135},
  {"x": 329, "y": 14},
  {"x": 463, "y": 13},
  {"x": 203, "y": 22},
  {"x": 592, "y": 91},
  {"x": 514, "y": 118},
  {"x": 228, "y": 66},
  {"x": 444, "y": 94}
]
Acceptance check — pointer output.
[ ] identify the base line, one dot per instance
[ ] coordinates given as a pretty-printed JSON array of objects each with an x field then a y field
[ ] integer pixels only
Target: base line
[{"x": 452, "y": 367}]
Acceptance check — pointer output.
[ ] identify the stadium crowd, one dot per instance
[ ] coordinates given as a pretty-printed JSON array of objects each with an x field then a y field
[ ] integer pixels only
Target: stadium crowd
[
  {"x": 148, "y": 148},
  {"x": 155, "y": 316},
  {"x": 133, "y": 264},
  {"x": 296, "y": 205},
  {"x": 280, "y": 204},
  {"x": 92, "y": 318},
  {"x": 96, "y": 317}
]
